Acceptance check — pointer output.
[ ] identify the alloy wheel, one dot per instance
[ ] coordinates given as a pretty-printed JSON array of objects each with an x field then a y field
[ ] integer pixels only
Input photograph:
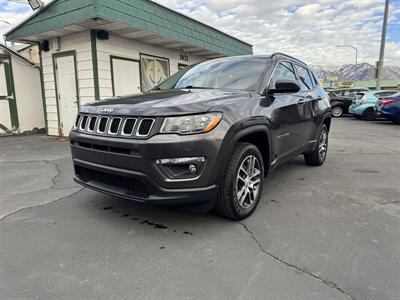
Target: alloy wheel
[
  {"x": 323, "y": 145},
  {"x": 337, "y": 111},
  {"x": 248, "y": 182}
]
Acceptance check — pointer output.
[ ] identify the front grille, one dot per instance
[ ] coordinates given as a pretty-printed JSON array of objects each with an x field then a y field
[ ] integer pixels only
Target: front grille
[
  {"x": 127, "y": 185},
  {"x": 114, "y": 126}
]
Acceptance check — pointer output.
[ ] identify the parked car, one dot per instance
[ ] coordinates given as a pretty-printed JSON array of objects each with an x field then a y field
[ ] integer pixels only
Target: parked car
[
  {"x": 363, "y": 106},
  {"x": 389, "y": 108},
  {"x": 207, "y": 135},
  {"x": 341, "y": 100}
]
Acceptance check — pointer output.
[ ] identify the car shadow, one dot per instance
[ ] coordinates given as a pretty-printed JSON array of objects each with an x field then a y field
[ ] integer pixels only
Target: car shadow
[{"x": 152, "y": 220}]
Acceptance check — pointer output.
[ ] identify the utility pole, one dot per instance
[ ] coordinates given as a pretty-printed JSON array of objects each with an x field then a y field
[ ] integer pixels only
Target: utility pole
[{"x": 382, "y": 51}]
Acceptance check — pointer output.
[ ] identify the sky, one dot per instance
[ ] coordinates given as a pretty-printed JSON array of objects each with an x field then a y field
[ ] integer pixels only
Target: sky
[{"x": 308, "y": 30}]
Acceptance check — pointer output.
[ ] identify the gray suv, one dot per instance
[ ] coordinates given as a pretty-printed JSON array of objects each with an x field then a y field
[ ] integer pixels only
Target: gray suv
[{"x": 207, "y": 136}]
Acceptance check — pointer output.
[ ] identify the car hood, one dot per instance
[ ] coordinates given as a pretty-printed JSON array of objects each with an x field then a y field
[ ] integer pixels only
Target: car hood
[{"x": 168, "y": 102}]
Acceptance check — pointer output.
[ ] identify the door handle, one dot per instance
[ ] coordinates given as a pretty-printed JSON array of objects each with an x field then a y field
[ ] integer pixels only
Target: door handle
[
  {"x": 301, "y": 101},
  {"x": 319, "y": 98}
]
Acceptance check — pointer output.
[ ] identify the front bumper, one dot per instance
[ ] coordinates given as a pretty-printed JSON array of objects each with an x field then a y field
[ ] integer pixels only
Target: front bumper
[{"x": 127, "y": 167}]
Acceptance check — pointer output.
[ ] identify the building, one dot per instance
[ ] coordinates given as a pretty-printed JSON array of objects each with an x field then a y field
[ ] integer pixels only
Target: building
[
  {"x": 30, "y": 52},
  {"x": 21, "y": 105},
  {"x": 95, "y": 49}
]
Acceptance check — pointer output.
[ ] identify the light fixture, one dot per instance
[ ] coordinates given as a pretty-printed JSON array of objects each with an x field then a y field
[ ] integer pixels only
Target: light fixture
[{"x": 35, "y": 4}]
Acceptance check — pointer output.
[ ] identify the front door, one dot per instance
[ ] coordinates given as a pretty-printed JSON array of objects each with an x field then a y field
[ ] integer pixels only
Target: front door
[
  {"x": 67, "y": 96},
  {"x": 286, "y": 115},
  {"x": 126, "y": 76}
]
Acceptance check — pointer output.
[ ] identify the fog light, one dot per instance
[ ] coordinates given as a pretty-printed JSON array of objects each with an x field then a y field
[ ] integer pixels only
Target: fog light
[
  {"x": 181, "y": 167},
  {"x": 193, "y": 169}
]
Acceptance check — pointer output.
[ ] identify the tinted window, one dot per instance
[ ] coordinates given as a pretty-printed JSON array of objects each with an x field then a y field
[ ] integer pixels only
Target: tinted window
[
  {"x": 306, "y": 82},
  {"x": 228, "y": 73},
  {"x": 350, "y": 93},
  {"x": 283, "y": 71}
]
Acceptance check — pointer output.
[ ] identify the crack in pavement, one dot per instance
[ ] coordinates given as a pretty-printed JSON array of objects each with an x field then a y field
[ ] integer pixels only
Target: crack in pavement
[
  {"x": 40, "y": 205},
  {"x": 302, "y": 270}
]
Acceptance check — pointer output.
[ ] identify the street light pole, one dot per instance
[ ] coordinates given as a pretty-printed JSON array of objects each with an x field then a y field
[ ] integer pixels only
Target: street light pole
[
  {"x": 382, "y": 50},
  {"x": 355, "y": 65},
  {"x": 8, "y": 23}
]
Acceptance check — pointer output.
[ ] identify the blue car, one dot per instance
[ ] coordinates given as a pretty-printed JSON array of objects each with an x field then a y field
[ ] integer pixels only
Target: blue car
[
  {"x": 364, "y": 103},
  {"x": 389, "y": 108}
]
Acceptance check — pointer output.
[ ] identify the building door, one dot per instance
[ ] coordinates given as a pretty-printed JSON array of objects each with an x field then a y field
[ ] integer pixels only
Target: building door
[
  {"x": 67, "y": 94},
  {"x": 125, "y": 76}
]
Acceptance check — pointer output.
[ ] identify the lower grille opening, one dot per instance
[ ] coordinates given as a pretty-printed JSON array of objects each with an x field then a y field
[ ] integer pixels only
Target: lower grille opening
[
  {"x": 127, "y": 185},
  {"x": 106, "y": 148}
]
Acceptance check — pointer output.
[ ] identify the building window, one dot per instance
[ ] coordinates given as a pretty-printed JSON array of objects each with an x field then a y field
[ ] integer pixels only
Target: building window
[{"x": 154, "y": 70}]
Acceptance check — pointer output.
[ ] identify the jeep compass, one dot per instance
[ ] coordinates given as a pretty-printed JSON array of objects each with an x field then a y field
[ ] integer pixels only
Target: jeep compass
[{"x": 205, "y": 137}]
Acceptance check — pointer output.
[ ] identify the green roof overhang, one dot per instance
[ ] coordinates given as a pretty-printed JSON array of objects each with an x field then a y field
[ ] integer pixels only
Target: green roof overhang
[{"x": 139, "y": 14}]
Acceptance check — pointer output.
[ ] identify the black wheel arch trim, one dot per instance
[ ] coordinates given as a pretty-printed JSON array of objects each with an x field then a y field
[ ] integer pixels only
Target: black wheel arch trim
[{"x": 238, "y": 131}]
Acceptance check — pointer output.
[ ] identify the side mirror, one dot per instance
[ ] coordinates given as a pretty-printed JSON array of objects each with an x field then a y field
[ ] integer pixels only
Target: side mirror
[{"x": 285, "y": 86}]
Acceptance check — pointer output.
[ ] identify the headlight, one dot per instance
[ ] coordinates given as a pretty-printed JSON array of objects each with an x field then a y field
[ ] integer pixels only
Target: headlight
[{"x": 191, "y": 124}]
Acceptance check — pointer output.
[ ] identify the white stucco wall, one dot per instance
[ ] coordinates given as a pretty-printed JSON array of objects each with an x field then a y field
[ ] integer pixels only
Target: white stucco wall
[
  {"x": 127, "y": 48},
  {"x": 80, "y": 42},
  {"x": 28, "y": 94}
]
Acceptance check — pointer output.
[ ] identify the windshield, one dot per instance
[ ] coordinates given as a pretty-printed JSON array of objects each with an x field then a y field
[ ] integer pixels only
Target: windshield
[{"x": 228, "y": 73}]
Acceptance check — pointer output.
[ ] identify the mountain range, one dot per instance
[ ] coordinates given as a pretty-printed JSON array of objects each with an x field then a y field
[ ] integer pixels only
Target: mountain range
[{"x": 364, "y": 71}]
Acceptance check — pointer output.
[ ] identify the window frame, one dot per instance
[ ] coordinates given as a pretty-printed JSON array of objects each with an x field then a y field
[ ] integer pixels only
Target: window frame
[
  {"x": 309, "y": 74},
  {"x": 274, "y": 70}
]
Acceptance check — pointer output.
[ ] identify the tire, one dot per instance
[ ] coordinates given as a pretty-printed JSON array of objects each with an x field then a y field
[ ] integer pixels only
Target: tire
[
  {"x": 358, "y": 117},
  {"x": 317, "y": 157},
  {"x": 369, "y": 115},
  {"x": 397, "y": 120},
  {"x": 337, "y": 111},
  {"x": 241, "y": 191}
]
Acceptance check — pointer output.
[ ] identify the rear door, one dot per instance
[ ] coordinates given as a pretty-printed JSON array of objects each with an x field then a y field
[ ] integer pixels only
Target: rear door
[
  {"x": 285, "y": 116},
  {"x": 308, "y": 106}
]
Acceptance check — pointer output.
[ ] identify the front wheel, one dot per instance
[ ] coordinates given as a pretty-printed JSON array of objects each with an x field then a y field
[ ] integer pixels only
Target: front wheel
[
  {"x": 337, "y": 111},
  {"x": 241, "y": 190},
  {"x": 358, "y": 117},
  {"x": 317, "y": 157}
]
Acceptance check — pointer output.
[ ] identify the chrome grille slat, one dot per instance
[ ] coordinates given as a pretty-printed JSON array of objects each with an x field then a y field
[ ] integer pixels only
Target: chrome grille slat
[
  {"x": 99, "y": 123},
  {"x": 112, "y": 122},
  {"x": 124, "y": 126},
  {"x": 141, "y": 131},
  {"x": 90, "y": 123},
  {"x": 84, "y": 122}
]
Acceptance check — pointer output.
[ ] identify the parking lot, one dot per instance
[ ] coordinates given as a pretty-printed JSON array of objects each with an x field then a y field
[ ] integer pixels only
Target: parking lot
[{"x": 330, "y": 232}]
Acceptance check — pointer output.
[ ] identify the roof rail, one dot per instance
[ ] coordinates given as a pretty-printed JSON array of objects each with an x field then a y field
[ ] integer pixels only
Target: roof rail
[{"x": 283, "y": 54}]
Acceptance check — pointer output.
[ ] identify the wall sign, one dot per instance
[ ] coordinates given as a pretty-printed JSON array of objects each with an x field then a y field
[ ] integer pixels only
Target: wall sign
[
  {"x": 184, "y": 55},
  {"x": 154, "y": 70}
]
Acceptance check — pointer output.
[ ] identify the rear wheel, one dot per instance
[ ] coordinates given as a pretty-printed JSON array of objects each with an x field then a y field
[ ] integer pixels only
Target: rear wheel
[
  {"x": 358, "y": 117},
  {"x": 241, "y": 190},
  {"x": 397, "y": 120},
  {"x": 317, "y": 157},
  {"x": 337, "y": 111},
  {"x": 369, "y": 114}
]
